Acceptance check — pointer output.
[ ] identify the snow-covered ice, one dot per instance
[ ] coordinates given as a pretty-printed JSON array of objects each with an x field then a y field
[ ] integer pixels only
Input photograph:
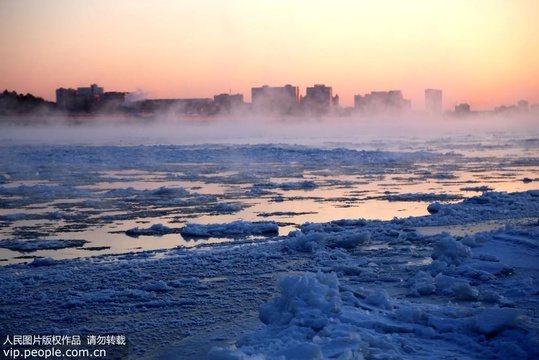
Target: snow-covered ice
[
  {"x": 164, "y": 244},
  {"x": 234, "y": 229},
  {"x": 397, "y": 293},
  {"x": 33, "y": 245}
]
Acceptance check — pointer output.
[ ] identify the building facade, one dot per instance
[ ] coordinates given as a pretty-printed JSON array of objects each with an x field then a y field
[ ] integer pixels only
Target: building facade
[
  {"x": 275, "y": 100},
  {"x": 66, "y": 99},
  {"x": 84, "y": 99},
  {"x": 319, "y": 99},
  {"x": 226, "y": 103},
  {"x": 433, "y": 101}
]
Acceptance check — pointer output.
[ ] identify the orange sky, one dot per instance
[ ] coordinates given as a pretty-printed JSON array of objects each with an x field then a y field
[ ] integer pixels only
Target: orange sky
[{"x": 484, "y": 52}]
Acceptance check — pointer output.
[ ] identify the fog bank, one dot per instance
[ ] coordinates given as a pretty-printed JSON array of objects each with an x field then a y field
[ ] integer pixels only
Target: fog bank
[{"x": 164, "y": 129}]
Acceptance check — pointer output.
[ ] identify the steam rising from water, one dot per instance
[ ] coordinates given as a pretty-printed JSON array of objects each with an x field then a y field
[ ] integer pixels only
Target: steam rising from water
[{"x": 250, "y": 129}]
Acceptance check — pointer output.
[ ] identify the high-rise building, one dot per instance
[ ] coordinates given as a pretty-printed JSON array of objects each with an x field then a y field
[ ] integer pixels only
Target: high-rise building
[
  {"x": 89, "y": 99},
  {"x": 318, "y": 99},
  {"x": 82, "y": 99},
  {"x": 281, "y": 100},
  {"x": 92, "y": 91},
  {"x": 433, "y": 100},
  {"x": 66, "y": 99}
]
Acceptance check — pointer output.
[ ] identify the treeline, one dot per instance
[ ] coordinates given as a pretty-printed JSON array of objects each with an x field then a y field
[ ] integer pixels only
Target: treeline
[{"x": 12, "y": 103}]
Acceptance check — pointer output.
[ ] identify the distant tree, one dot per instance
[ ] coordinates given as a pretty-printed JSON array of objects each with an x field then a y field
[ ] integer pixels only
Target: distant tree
[{"x": 12, "y": 103}]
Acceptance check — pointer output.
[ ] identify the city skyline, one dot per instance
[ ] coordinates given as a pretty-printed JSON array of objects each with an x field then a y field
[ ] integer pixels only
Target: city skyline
[
  {"x": 284, "y": 100},
  {"x": 478, "y": 52},
  {"x": 317, "y": 99}
]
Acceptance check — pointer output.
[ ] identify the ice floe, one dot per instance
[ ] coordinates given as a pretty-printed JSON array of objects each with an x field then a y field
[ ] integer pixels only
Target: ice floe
[
  {"x": 33, "y": 245},
  {"x": 237, "y": 228},
  {"x": 154, "y": 230}
]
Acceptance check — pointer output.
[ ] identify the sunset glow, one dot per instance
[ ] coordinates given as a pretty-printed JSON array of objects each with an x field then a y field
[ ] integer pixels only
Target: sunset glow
[{"x": 483, "y": 52}]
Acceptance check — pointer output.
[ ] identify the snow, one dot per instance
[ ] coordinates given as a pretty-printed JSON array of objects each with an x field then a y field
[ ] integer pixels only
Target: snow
[
  {"x": 237, "y": 228},
  {"x": 421, "y": 284},
  {"x": 450, "y": 251},
  {"x": 314, "y": 313},
  {"x": 304, "y": 284}
]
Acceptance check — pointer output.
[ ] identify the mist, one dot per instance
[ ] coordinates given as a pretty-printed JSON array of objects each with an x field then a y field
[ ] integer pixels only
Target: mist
[{"x": 248, "y": 128}]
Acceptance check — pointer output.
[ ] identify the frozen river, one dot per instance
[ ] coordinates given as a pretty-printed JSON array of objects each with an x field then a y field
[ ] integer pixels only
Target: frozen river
[
  {"x": 273, "y": 241},
  {"x": 89, "y": 197}
]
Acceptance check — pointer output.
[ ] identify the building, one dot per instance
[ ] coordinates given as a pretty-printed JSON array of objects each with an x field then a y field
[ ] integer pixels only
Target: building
[
  {"x": 381, "y": 101},
  {"x": 84, "y": 99},
  {"x": 91, "y": 91},
  {"x": 319, "y": 99},
  {"x": 226, "y": 103},
  {"x": 275, "y": 100},
  {"x": 505, "y": 109},
  {"x": 433, "y": 101},
  {"x": 112, "y": 101},
  {"x": 462, "y": 109},
  {"x": 197, "y": 106},
  {"x": 523, "y": 106},
  {"x": 88, "y": 97},
  {"x": 66, "y": 99}
]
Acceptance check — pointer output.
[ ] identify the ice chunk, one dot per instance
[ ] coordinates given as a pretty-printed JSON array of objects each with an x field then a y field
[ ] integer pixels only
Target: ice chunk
[
  {"x": 168, "y": 192},
  {"x": 416, "y": 197},
  {"x": 300, "y": 185},
  {"x": 492, "y": 321},
  {"x": 302, "y": 242},
  {"x": 302, "y": 351},
  {"x": 34, "y": 245},
  {"x": 483, "y": 188},
  {"x": 223, "y": 207},
  {"x": 154, "y": 230},
  {"x": 309, "y": 299},
  {"x": 347, "y": 269},
  {"x": 463, "y": 291},
  {"x": 234, "y": 229},
  {"x": 434, "y": 208},
  {"x": 43, "y": 262},
  {"x": 450, "y": 251},
  {"x": 421, "y": 284},
  {"x": 470, "y": 241},
  {"x": 380, "y": 299},
  {"x": 488, "y": 257},
  {"x": 349, "y": 240},
  {"x": 459, "y": 288},
  {"x": 159, "y": 286},
  {"x": 217, "y": 353}
]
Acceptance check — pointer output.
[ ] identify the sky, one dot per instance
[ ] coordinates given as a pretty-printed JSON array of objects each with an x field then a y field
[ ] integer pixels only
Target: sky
[{"x": 481, "y": 52}]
